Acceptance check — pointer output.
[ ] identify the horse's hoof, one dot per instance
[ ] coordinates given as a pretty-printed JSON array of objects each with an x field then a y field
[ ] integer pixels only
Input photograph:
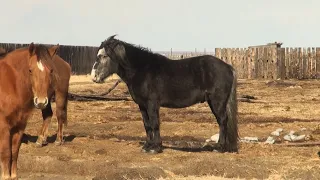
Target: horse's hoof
[
  {"x": 41, "y": 144},
  {"x": 38, "y": 145},
  {"x": 153, "y": 151},
  {"x": 58, "y": 143},
  {"x": 144, "y": 150},
  {"x": 151, "y": 148}
]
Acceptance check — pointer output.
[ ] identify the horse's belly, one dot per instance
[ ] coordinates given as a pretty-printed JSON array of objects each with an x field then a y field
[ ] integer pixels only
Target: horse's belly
[{"x": 182, "y": 99}]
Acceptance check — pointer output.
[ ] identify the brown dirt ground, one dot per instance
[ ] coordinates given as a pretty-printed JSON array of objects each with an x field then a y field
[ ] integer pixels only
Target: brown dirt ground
[{"x": 103, "y": 139}]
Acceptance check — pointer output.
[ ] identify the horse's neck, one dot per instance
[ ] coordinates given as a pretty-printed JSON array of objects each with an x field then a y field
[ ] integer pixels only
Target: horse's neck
[
  {"x": 19, "y": 62},
  {"x": 126, "y": 74}
]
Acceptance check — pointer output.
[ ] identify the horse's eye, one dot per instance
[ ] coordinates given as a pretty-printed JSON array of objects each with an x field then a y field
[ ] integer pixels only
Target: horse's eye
[
  {"x": 30, "y": 71},
  {"x": 51, "y": 71}
]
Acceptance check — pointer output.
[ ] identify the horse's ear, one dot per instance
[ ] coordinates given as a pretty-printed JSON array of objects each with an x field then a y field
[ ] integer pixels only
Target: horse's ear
[
  {"x": 53, "y": 50},
  {"x": 32, "y": 49},
  {"x": 112, "y": 37}
]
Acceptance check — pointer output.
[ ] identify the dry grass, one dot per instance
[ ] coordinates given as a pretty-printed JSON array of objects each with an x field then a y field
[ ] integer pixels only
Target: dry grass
[{"x": 105, "y": 138}]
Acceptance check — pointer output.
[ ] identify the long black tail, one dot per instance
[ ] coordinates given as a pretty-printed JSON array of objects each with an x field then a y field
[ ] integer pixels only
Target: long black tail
[{"x": 232, "y": 115}]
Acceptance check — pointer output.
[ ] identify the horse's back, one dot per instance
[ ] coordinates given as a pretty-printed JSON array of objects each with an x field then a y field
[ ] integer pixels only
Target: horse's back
[
  {"x": 213, "y": 73},
  {"x": 199, "y": 69},
  {"x": 62, "y": 66}
]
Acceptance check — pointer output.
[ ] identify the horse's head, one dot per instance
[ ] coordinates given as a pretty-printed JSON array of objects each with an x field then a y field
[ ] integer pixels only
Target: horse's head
[
  {"x": 106, "y": 63},
  {"x": 41, "y": 70}
]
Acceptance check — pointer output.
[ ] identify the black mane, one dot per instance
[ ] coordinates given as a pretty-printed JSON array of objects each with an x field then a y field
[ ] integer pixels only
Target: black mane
[{"x": 140, "y": 56}]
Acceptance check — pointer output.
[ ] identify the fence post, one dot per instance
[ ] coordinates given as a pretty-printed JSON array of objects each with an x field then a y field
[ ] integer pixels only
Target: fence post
[
  {"x": 313, "y": 57},
  {"x": 248, "y": 56},
  {"x": 228, "y": 56},
  {"x": 308, "y": 63},
  {"x": 217, "y": 52},
  {"x": 281, "y": 60},
  {"x": 287, "y": 63},
  {"x": 295, "y": 63},
  {"x": 274, "y": 64},
  {"x": 223, "y": 54},
  {"x": 318, "y": 62},
  {"x": 304, "y": 63},
  {"x": 254, "y": 63}
]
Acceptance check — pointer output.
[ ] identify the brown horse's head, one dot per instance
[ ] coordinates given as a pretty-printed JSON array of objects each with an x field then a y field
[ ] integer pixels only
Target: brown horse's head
[{"x": 41, "y": 70}]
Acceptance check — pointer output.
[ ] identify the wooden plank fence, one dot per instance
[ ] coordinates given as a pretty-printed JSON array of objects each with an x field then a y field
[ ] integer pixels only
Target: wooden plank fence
[
  {"x": 256, "y": 62},
  {"x": 273, "y": 63},
  {"x": 81, "y": 58}
]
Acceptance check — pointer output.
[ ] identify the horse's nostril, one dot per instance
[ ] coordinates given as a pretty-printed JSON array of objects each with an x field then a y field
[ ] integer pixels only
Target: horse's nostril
[
  {"x": 46, "y": 101},
  {"x": 35, "y": 100}
]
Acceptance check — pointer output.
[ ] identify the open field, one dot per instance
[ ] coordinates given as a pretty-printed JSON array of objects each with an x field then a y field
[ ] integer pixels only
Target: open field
[{"x": 103, "y": 139}]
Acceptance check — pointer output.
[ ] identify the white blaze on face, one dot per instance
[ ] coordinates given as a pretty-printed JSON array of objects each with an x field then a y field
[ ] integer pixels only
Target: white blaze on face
[
  {"x": 93, "y": 71},
  {"x": 102, "y": 52},
  {"x": 40, "y": 66}
]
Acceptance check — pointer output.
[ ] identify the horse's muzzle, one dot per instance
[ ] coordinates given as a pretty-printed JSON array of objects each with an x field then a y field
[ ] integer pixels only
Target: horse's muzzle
[
  {"x": 40, "y": 103},
  {"x": 96, "y": 79}
]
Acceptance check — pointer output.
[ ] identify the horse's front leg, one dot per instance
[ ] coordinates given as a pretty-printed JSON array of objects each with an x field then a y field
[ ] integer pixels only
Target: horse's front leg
[
  {"x": 147, "y": 126},
  {"x": 153, "y": 114},
  {"x": 5, "y": 149},
  {"x": 16, "y": 142},
  {"x": 43, "y": 133}
]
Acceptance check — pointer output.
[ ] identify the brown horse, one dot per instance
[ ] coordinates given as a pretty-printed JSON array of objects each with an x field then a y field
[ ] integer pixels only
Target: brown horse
[
  {"x": 29, "y": 77},
  {"x": 58, "y": 86}
]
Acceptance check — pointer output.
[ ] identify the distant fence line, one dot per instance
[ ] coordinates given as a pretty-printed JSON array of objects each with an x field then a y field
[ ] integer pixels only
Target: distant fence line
[
  {"x": 265, "y": 62},
  {"x": 81, "y": 58},
  {"x": 273, "y": 63}
]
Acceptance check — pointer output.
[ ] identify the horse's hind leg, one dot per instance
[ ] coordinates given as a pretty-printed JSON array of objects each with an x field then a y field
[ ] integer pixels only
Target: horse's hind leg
[
  {"x": 61, "y": 110},
  {"x": 5, "y": 149},
  {"x": 16, "y": 142},
  {"x": 218, "y": 108},
  {"x": 46, "y": 115},
  {"x": 150, "y": 117}
]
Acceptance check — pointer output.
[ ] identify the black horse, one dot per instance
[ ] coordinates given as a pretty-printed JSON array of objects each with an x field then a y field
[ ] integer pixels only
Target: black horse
[{"x": 155, "y": 81}]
